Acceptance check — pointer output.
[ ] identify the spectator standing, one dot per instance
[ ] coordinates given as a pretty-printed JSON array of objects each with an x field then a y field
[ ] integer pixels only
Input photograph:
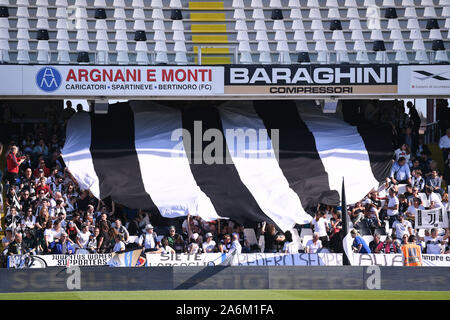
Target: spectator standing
[
  {"x": 12, "y": 164},
  {"x": 321, "y": 227},
  {"x": 236, "y": 245},
  {"x": 392, "y": 206},
  {"x": 271, "y": 238},
  {"x": 412, "y": 255},
  {"x": 444, "y": 144},
  {"x": 402, "y": 227},
  {"x": 359, "y": 245},
  {"x": 414, "y": 116}
]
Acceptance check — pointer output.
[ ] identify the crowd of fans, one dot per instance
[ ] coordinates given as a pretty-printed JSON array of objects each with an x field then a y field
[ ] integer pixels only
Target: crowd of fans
[{"x": 48, "y": 213}]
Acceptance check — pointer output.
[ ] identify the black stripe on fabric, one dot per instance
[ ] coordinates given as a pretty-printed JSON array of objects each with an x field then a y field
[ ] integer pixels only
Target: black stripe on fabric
[
  {"x": 220, "y": 182},
  {"x": 378, "y": 142},
  {"x": 115, "y": 158},
  {"x": 298, "y": 157},
  {"x": 377, "y": 138}
]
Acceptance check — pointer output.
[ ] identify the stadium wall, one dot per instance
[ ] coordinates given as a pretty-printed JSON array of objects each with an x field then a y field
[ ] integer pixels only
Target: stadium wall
[{"x": 177, "y": 278}]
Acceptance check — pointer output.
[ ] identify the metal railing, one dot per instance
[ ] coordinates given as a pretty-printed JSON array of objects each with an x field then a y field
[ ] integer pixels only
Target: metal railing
[
  {"x": 199, "y": 53},
  {"x": 432, "y": 133}
]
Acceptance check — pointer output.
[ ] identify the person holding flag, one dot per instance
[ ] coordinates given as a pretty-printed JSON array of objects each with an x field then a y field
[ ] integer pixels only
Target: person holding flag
[{"x": 412, "y": 253}]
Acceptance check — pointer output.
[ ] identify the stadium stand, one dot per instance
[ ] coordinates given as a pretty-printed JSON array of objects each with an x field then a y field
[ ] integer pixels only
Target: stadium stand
[{"x": 230, "y": 31}]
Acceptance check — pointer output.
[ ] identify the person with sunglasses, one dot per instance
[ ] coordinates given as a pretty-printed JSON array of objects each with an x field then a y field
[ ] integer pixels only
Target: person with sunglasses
[{"x": 402, "y": 227}]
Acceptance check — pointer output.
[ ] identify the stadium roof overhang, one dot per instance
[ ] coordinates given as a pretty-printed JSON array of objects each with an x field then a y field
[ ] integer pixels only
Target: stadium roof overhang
[{"x": 224, "y": 82}]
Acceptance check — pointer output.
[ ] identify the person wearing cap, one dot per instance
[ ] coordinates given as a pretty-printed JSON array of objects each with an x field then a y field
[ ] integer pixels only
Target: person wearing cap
[
  {"x": 62, "y": 246},
  {"x": 172, "y": 236},
  {"x": 402, "y": 227},
  {"x": 149, "y": 240},
  {"x": 209, "y": 245}
]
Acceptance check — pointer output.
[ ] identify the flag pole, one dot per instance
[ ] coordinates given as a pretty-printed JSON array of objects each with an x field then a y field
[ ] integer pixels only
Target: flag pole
[{"x": 345, "y": 260}]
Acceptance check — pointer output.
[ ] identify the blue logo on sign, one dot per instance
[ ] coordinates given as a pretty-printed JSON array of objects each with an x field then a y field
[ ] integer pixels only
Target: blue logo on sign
[{"x": 48, "y": 79}]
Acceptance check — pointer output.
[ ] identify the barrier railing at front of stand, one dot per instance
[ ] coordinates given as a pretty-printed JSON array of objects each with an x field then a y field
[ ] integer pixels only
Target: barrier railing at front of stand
[{"x": 432, "y": 133}]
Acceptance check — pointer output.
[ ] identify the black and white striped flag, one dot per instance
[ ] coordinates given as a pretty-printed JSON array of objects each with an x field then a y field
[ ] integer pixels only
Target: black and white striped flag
[{"x": 247, "y": 161}]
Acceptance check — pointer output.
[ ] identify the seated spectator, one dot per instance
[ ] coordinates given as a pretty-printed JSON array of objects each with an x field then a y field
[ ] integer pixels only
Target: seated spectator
[
  {"x": 193, "y": 246},
  {"x": 415, "y": 166},
  {"x": 171, "y": 236},
  {"x": 314, "y": 245},
  {"x": 432, "y": 197},
  {"x": 40, "y": 149},
  {"x": 235, "y": 244},
  {"x": 48, "y": 236},
  {"x": 418, "y": 181},
  {"x": 371, "y": 215},
  {"x": 357, "y": 213},
  {"x": 359, "y": 245},
  {"x": 180, "y": 246},
  {"x": 8, "y": 238},
  {"x": 403, "y": 204},
  {"x": 434, "y": 243},
  {"x": 16, "y": 246},
  {"x": 12, "y": 219},
  {"x": 375, "y": 242},
  {"x": 425, "y": 162},
  {"x": 209, "y": 246},
  {"x": 119, "y": 244},
  {"x": 400, "y": 172},
  {"x": 29, "y": 241},
  {"x": 92, "y": 245},
  {"x": 373, "y": 196},
  {"x": 433, "y": 166},
  {"x": 289, "y": 245},
  {"x": 149, "y": 241},
  {"x": 434, "y": 181},
  {"x": 62, "y": 246},
  {"x": 165, "y": 248},
  {"x": 42, "y": 186},
  {"x": 444, "y": 144},
  {"x": 225, "y": 244},
  {"x": 41, "y": 171}
]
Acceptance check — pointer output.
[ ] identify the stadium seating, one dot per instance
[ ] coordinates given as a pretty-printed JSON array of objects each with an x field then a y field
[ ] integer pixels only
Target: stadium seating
[{"x": 229, "y": 31}]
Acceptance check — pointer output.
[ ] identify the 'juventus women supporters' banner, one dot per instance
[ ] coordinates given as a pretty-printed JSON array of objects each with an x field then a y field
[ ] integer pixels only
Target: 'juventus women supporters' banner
[{"x": 247, "y": 161}]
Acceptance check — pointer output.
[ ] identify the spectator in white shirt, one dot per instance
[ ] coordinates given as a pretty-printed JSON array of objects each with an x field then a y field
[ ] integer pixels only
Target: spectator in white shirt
[
  {"x": 321, "y": 227},
  {"x": 412, "y": 210},
  {"x": 289, "y": 245},
  {"x": 83, "y": 237},
  {"x": 444, "y": 144},
  {"x": 120, "y": 245},
  {"x": 402, "y": 227},
  {"x": 432, "y": 198},
  {"x": 404, "y": 152},
  {"x": 391, "y": 206},
  {"x": 434, "y": 243},
  {"x": 235, "y": 244},
  {"x": 209, "y": 245},
  {"x": 314, "y": 245},
  {"x": 148, "y": 240}
]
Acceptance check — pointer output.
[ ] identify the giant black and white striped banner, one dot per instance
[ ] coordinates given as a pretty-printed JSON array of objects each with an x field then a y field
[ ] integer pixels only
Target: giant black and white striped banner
[{"x": 273, "y": 163}]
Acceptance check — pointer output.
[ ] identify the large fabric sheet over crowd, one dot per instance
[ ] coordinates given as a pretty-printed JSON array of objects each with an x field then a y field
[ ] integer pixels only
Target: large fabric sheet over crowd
[{"x": 277, "y": 159}]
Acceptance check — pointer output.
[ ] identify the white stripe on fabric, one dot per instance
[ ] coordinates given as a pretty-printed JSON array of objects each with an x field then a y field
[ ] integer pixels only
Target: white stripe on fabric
[
  {"x": 164, "y": 165},
  {"x": 258, "y": 167},
  {"x": 77, "y": 155},
  {"x": 342, "y": 151}
]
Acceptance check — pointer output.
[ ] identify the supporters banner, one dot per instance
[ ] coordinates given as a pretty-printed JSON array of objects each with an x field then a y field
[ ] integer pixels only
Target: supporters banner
[
  {"x": 396, "y": 260},
  {"x": 247, "y": 259},
  {"x": 110, "y": 81},
  {"x": 432, "y": 218},
  {"x": 58, "y": 260},
  {"x": 311, "y": 80},
  {"x": 424, "y": 79}
]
